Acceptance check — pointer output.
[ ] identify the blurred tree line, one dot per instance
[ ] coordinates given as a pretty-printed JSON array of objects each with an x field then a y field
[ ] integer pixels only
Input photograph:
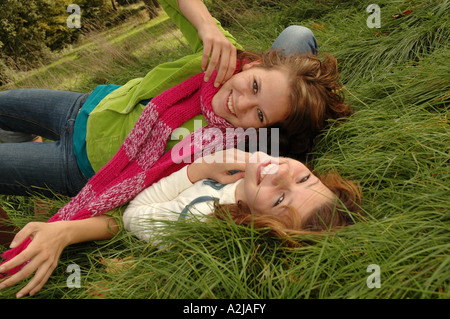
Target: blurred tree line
[{"x": 30, "y": 30}]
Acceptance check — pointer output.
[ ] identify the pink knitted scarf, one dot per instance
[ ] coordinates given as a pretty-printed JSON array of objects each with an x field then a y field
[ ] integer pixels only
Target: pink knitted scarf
[{"x": 141, "y": 161}]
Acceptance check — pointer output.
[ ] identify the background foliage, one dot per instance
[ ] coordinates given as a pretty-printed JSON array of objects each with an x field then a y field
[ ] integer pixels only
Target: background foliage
[{"x": 31, "y": 30}]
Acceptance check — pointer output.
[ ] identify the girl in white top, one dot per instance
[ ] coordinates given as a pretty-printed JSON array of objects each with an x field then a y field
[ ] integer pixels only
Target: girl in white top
[
  {"x": 172, "y": 198},
  {"x": 281, "y": 193},
  {"x": 276, "y": 193}
]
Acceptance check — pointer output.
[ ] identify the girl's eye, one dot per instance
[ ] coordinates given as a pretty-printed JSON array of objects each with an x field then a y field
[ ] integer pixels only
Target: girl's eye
[
  {"x": 278, "y": 202},
  {"x": 260, "y": 115},
  {"x": 255, "y": 87},
  {"x": 304, "y": 179}
]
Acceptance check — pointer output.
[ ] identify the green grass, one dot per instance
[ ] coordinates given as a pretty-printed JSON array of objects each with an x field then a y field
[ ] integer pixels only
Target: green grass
[{"x": 396, "y": 144}]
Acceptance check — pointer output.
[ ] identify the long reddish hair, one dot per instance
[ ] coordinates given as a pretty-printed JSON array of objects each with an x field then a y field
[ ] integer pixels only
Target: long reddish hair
[
  {"x": 336, "y": 213},
  {"x": 316, "y": 97}
]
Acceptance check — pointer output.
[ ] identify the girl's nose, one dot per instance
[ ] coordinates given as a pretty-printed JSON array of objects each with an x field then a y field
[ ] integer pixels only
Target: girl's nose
[
  {"x": 282, "y": 176},
  {"x": 246, "y": 104}
]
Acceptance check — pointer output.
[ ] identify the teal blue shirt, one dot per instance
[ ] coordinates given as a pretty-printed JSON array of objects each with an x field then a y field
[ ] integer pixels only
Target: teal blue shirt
[{"x": 79, "y": 138}]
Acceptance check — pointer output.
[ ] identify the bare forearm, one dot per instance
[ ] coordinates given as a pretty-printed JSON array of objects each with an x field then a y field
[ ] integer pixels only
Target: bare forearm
[
  {"x": 196, "y": 12},
  {"x": 218, "y": 52},
  {"x": 89, "y": 229}
]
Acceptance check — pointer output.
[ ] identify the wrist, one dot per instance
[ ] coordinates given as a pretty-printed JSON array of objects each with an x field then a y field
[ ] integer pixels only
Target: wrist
[
  {"x": 194, "y": 173},
  {"x": 65, "y": 233}
]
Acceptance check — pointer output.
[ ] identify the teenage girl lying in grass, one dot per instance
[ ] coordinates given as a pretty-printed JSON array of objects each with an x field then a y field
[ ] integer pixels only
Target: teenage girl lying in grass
[
  {"x": 296, "y": 94},
  {"x": 281, "y": 194}
]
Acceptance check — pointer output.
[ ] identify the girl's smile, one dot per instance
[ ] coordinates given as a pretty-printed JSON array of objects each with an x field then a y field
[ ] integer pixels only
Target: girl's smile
[
  {"x": 271, "y": 185},
  {"x": 229, "y": 105},
  {"x": 266, "y": 169},
  {"x": 255, "y": 97}
]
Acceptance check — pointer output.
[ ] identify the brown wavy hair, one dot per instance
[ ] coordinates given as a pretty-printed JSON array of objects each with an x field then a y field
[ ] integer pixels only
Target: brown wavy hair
[
  {"x": 343, "y": 210},
  {"x": 316, "y": 97}
]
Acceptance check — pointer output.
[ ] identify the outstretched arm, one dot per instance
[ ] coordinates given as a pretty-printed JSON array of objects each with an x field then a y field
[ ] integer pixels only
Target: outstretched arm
[{"x": 48, "y": 240}]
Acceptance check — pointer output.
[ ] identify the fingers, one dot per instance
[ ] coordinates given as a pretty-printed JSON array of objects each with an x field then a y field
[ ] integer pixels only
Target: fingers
[
  {"x": 41, "y": 256},
  {"x": 23, "y": 234},
  {"x": 222, "y": 57},
  {"x": 232, "y": 65},
  {"x": 21, "y": 258},
  {"x": 213, "y": 62},
  {"x": 231, "y": 178},
  {"x": 14, "y": 279},
  {"x": 234, "y": 167},
  {"x": 228, "y": 173},
  {"x": 15, "y": 262},
  {"x": 234, "y": 155},
  {"x": 227, "y": 65},
  {"x": 40, "y": 278},
  {"x": 44, "y": 270},
  {"x": 207, "y": 48},
  {"x": 261, "y": 157},
  {"x": 25, "y": 255}
]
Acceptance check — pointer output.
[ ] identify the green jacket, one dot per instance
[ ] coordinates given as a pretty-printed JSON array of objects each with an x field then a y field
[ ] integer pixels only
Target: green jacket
[{"x": 113, "y": 118}]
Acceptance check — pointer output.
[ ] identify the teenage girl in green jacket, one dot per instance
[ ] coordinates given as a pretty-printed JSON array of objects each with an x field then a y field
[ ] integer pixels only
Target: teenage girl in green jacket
[{"x": 88, "y": 129}]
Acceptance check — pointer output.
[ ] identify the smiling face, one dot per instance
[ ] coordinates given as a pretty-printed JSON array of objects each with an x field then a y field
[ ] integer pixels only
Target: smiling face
[
  {"x": 272, "y": 185},
  {"x": 255, "y": 97}
]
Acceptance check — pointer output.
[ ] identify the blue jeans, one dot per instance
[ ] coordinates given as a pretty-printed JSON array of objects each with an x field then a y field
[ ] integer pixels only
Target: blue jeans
[
  {"x": 51, "y": 167},
  {"x": 47, "y": 168},
  {"x": 16, "y": 137},
  {"x": 296, "y": 39}
]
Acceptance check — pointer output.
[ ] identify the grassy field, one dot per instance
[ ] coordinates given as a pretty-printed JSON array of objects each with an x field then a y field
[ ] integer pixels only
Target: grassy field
[{"x": 396, "y": 145}]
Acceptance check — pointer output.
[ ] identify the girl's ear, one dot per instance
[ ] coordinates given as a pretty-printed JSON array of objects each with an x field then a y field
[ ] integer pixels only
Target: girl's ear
[{"x": 247, "y": 66}]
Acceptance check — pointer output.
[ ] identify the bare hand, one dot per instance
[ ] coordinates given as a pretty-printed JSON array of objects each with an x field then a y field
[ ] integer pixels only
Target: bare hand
[
  {"x": 218, "y": 166},
  {"x": 43, "y": 252},
  {"x": 221, "y": 54}
]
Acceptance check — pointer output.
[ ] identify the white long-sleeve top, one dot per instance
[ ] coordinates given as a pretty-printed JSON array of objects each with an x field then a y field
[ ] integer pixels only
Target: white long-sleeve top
[{"x": 171, "y": 198}]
